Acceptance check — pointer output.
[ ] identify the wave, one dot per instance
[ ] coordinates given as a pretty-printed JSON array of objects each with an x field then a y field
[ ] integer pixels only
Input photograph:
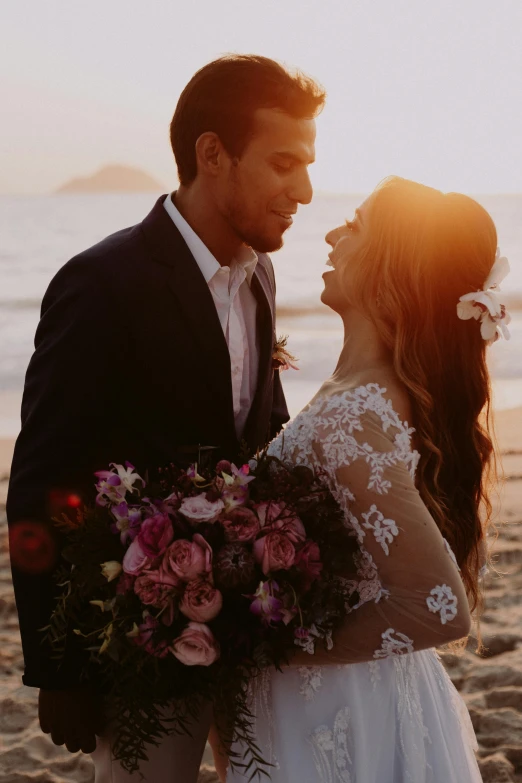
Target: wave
[
  {"x": 291, "y": 310},
  {"x": 299, "y": 309}
]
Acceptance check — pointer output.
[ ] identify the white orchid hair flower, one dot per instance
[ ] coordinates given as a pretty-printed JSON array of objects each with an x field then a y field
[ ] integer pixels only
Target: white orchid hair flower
[{"x": 486, "y": 305}]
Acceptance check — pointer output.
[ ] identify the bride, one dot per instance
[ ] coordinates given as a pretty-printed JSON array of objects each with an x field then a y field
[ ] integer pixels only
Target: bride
[{"x": 401, "y": 429}]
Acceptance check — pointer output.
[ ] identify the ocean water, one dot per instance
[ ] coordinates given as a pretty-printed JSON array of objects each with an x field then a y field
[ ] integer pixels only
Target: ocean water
[{"x": 40, "y": 233}]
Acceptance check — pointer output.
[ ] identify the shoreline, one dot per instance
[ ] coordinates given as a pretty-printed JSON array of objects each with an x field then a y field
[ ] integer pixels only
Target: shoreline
[{"x": 508, "y": 431}]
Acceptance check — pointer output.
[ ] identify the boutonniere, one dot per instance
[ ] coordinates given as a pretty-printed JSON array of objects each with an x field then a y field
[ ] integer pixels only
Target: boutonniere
[{"x": 281, "y": 358}]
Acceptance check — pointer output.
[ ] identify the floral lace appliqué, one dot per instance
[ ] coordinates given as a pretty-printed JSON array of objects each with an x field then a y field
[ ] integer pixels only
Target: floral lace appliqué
[
  {"x": 442, "y": 600},
  {"x": 383, "y": 529},
  {"x": 400, "y": 645},
  {"x": 311, "y": 681},
  {"x": 330, "y": 750},
  {"x": 375, "y": 673},
  {"x": 332, "y": 420}
]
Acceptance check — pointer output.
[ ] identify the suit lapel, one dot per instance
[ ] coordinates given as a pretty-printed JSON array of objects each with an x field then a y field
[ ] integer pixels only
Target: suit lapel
[
  {"x": 187, "y": 284},
  {"x": 258, "y": 420}
]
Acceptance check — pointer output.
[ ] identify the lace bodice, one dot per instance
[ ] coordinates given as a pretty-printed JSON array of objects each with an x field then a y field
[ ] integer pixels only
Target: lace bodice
[{"x": 411, "y": 596}]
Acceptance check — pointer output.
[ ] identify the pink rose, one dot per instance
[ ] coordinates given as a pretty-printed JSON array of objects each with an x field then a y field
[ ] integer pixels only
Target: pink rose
[
  {"x": 198, "y": 509},
  {"x": 274, "y": 552},
  {"x": 196, "y": 646},
  {"x": 201, "y": 601},
  {"x": 144, "y": 639},
  {"x": 187, "y": 559},
  {"x": 135, "y": 559},
  {"x": 152, "y": 592},
  {"x": 268, "y": 512},
  {"x": 155, "y": 535},
  {"x": 278, "y": 516},
  {"x": 308, "y": 561},
  {"x": 241, "y": 525}
]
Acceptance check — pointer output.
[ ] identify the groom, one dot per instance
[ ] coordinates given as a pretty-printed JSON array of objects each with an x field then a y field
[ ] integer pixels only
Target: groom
[{"x": 157, "y": 340}]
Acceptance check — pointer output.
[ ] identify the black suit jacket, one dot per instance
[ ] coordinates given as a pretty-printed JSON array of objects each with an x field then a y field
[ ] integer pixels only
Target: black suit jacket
[{"x": 130, "y": 363}]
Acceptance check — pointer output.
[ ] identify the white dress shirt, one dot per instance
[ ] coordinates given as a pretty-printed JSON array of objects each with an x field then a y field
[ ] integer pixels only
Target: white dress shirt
[{"x": 236, "y": 307}]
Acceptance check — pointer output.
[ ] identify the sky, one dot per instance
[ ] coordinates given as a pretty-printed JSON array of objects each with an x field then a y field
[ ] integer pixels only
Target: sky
[{"x": 427, "y": 89}]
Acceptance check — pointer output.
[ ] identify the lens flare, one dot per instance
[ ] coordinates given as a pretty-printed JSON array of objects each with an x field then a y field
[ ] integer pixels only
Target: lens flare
[{"x": 32, "y": 547}]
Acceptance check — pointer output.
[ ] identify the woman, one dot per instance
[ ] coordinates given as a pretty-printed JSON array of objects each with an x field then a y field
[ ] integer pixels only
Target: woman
[{"x": 401, "y": 430}]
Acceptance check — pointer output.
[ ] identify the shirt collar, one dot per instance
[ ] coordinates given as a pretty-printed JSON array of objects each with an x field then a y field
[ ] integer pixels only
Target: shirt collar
[
  {"x": 204, "y": 258},
  {"x": 208, "y": 264},
  {"x": 247, "y": 258}
]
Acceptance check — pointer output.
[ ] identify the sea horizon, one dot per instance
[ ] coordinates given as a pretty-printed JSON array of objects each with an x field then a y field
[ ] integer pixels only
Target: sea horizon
[{"x": 40, "y": 232}]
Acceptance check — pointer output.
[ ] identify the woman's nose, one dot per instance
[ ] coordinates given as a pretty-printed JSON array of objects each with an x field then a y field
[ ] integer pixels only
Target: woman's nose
[{"x": 334, "y": 236}]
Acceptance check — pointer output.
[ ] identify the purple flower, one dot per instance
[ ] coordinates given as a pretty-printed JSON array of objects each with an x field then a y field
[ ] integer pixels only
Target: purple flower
[
  {"x": 269, "y": 608},
  {"x": 128, "y": 521},
  {"x": 235, "y": 492},
  {"x": 113, "y": 485},
  {"x": 193, "y": 475}
]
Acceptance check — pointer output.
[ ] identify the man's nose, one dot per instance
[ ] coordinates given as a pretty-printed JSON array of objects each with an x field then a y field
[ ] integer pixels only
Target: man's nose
[{"x": 302, "y": 190}]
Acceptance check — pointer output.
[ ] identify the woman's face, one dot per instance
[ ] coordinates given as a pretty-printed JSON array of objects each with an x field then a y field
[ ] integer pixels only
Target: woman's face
[{"x": 344, "y": 241}]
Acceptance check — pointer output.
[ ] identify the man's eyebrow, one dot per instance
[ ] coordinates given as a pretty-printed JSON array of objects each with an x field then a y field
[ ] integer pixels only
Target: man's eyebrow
[{"x": 290, "y": 156}]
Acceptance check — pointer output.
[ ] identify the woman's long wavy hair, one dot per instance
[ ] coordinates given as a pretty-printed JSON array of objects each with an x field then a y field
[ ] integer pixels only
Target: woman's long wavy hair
[{"x": 425, "y": 250}]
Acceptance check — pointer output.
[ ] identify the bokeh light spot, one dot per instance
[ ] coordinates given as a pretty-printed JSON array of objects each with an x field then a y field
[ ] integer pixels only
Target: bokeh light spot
[
  {"x": 74, "y": 501},
  {"x": 32, "y": 547}
]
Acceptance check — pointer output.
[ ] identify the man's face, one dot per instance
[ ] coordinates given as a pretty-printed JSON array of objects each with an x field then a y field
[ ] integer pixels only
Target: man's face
[{"x": 260, "y": 191}]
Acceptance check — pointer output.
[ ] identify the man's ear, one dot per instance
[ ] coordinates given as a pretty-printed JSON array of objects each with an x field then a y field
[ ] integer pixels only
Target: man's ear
[{"x": 210, "y": 154}]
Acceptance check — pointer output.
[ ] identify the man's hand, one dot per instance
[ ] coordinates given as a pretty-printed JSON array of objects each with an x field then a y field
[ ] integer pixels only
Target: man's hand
[{"x": 72, "y": 718}]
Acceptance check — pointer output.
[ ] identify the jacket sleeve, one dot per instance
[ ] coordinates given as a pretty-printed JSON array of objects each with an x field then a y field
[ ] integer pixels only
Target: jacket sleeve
[
  {"x": 411, "y": 596},
  {"x": 69, "y": 399}
]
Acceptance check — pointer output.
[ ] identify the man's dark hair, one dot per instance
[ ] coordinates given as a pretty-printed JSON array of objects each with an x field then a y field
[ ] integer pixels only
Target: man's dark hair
[{"x": 223, "y": 96}]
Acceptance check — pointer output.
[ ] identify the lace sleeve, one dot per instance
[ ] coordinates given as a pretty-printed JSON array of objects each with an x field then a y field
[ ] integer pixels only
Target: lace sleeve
[{"x": 411, "y": 596}]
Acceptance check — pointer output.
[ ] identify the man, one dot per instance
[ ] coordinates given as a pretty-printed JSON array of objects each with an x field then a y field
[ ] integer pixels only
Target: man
[{"x": 157, "y": 340}]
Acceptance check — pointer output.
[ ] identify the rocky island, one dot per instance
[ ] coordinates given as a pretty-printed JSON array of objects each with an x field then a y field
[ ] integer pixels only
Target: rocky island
[{"x": 114, "y": 179}]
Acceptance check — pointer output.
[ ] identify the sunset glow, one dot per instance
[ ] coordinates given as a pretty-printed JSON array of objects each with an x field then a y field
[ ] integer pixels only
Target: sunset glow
[{"x": 429, "y": 91}]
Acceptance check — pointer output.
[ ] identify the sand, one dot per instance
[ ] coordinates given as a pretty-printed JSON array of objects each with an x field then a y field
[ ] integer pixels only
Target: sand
[{"x": 490, "y": 685}]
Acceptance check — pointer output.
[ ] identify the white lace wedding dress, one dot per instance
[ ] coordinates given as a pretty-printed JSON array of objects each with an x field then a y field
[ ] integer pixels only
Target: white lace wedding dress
[{"x": 391, "y": 715}]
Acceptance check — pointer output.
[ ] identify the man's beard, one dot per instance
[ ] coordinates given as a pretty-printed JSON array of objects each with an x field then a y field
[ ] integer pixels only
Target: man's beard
[{"x": 239, "y": 222}]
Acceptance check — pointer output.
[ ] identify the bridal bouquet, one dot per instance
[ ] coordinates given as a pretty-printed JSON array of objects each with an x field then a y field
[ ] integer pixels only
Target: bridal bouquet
[{"x": 183, "y": 589}]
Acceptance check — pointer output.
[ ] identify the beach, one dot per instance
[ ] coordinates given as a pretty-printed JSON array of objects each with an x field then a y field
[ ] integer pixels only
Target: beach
[{"x": 490, "y": 685}]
